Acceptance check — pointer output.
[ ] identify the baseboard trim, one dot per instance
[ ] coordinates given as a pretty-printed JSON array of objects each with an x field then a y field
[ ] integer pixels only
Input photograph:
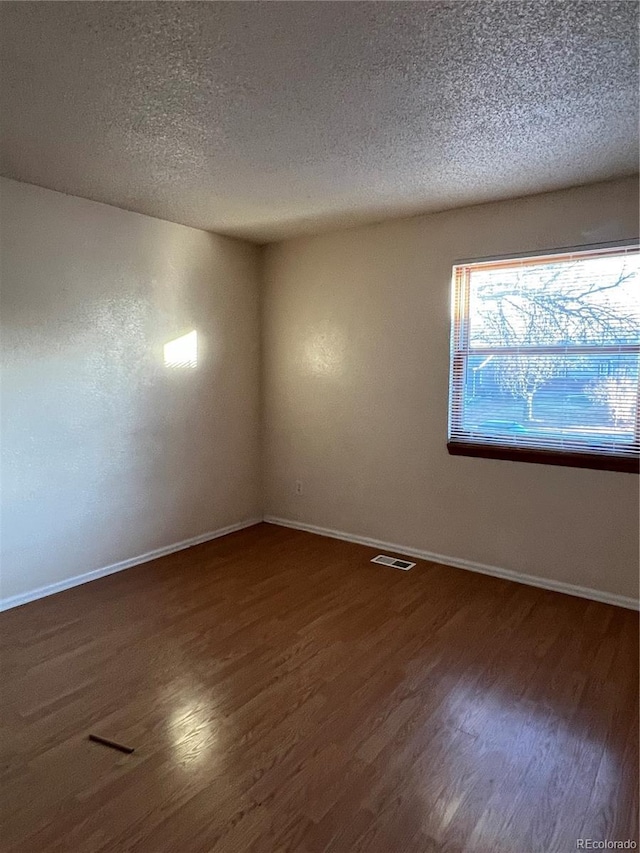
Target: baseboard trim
[
  {"x": 77, "y": 580},
  {"x": 469, "y": 565}
]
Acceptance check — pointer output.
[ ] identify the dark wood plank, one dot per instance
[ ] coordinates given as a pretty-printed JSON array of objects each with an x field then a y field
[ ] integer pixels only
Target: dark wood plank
[{"x": 283, "y": 693}]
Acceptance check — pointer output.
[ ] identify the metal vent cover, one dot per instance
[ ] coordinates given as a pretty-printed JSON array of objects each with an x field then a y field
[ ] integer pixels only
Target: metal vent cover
[{"x": 393, "y": 562}]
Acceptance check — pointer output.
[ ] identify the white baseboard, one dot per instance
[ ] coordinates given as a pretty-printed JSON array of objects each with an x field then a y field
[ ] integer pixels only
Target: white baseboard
[
  {"x": 402, "y": 550},
  {"x": 67, "y": 583},
  {"x": 456, "y": 562}
]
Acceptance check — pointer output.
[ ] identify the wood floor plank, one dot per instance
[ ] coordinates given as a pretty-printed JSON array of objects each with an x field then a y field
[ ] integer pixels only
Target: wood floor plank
[{"x": 285, "y": 694}]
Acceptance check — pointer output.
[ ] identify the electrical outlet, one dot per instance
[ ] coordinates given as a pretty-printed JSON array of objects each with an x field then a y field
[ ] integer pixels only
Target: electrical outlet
[{"x": 298, "y": 487}]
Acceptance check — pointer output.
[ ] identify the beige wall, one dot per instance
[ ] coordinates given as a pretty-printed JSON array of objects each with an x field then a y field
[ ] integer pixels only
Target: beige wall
[
  {"x": 107, "y": 453},
  {"x": 356, "y": 360}
]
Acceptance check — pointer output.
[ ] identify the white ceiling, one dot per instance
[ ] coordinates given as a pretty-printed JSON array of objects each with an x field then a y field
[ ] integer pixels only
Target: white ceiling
[{"x": 265, "y": 120}]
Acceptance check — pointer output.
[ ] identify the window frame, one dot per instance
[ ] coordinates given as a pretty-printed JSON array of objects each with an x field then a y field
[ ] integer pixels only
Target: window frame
[{"x": 459, "y": 351}]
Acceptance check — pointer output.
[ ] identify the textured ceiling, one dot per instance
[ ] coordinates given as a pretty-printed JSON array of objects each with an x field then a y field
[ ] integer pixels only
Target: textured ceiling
[{"x": 265, "y": 120}]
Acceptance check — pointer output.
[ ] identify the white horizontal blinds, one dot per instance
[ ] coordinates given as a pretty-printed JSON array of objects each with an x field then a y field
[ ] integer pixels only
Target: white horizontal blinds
[
  {"x": 459, "y": 350},
  {"x": 545, "y": 352}
]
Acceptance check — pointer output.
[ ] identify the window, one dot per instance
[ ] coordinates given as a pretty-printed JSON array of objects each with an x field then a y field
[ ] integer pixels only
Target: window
[{"x": 544, "y": 359}]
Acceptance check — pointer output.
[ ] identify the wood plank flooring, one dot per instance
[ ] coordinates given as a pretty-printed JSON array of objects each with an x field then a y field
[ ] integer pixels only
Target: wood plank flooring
[{"x": 282, "y": 693}]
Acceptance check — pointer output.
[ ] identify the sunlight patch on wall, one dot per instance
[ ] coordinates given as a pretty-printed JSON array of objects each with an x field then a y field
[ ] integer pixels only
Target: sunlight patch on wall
[
  {"x": 324, "y": 354},
  {"x": 182, "y": 352}
]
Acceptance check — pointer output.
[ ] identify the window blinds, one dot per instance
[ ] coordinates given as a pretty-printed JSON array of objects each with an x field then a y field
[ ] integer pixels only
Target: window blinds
[{"x": 544, "y": 357}]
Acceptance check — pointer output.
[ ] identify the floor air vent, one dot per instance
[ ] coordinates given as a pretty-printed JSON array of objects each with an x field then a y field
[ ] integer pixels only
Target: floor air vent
[{"x": 394, "y": 562}]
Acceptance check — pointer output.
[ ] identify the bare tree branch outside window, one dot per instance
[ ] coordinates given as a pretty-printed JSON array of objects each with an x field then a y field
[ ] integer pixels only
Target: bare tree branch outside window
[{"x": 545, "y": 359}]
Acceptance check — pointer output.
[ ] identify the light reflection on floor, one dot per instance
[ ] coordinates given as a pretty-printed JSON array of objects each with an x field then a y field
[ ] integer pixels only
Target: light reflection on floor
[{"x": 193, "y": 730}]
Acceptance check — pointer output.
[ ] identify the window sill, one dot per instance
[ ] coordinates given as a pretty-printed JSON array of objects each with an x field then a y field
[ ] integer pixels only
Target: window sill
[{"x": 629, "y": 465}]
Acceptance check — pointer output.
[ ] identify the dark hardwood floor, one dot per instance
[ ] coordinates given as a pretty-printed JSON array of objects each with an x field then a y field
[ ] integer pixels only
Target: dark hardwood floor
[{"x": 282, "y": 693}]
